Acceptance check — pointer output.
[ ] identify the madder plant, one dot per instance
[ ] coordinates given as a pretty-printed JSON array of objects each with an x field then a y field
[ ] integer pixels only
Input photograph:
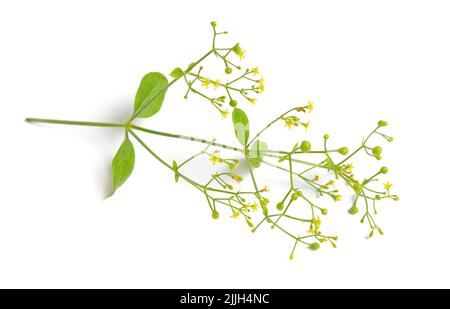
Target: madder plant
[{"x": 295, "y": 206}]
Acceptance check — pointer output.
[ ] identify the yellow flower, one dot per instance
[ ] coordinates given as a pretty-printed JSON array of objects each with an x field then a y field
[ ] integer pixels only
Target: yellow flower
[
  {"x": 317, "y": 222},
  {"x": 251, "y": 100},
  {"x": 255, "y": 71},
  {"x": 337, "y": 198},
  {"x": 310, "y": 106},
  {"x": 216, "y": 84},
  {"x": 265, "y": 189},
  {"x": 241, "y": 54},
  {"x": 395, "y": 197},
  {"x": 215, "y": 158},
  {"x": 235, "y": 214},
  {"x": 206, "y": 82},
  {"x": 387, "y": 185},
  {"x": 316, "y": 178},
  {"x": 261, "y": 84},
  {"x": 348, "y": 168},
  {"x": 254, "y": 206},
  {"x": 236, "y": 178},
  {"x": 224, "y": 114},
  {"x": 239, "y": 51},
  {"x": 305, "y": 125},
  {"x": 289, "y": 122}
]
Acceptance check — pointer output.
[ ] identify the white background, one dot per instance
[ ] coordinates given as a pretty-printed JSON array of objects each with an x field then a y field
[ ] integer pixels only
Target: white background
[{"x": 359, "y": 61}]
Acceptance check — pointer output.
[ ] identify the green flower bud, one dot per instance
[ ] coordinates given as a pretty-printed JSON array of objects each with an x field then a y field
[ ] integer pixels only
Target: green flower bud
[
  {"x": 213, "y": 23},
  {"x": 384, "y": 170},
  {"x": 291, "y": 257},
  {"x": 377, "y": 197},
  {"x": 376, "y": 151},
  {"x": 380, "y": 231},
  {"x": 233, "y": 103},
  {"x": 249, "y": 223},
  {"x": 343, "y": 151},
  {"x": 305, "y": 146},
  {"x": 314, "y": 246},
  {"x": 382, "y": 123},
  {"x": 353, "y": 210},
  {"x": 280, "y": 206},
  {"x": 228, "y": 70},
  {"x": 215, "y": 215},
  {"x": 265, "y": 210},
  {"x": 371, "y": 234},
  {"x": 326, "y": 136},
  {"x": 324, "y": 211},
  {"x": 294, "y": 196}
]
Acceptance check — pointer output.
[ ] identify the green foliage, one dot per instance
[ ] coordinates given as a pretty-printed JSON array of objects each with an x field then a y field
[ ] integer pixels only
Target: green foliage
[
  {"x": 123, "y": 164},
  {"x": 150, "y": 95},
  {"x": 241, "y": 126},
  {"x": 177, "y": 73},
  {"x": 257, "y": 151}
]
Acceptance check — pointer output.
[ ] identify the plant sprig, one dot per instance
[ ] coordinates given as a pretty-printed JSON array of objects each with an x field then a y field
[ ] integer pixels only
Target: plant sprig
[{"x": 295, "y": 209}]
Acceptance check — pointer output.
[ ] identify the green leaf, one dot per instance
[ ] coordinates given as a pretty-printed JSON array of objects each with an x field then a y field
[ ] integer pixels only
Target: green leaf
[
  {"x": 177, "y": 73},
  {"x": 175, "y": 169},
  {"x": 257, "y": 153},
  {"x": 150, "y": 94},
  {"x": 123, "y": 164},
  {"x": 241, "y": 126}
]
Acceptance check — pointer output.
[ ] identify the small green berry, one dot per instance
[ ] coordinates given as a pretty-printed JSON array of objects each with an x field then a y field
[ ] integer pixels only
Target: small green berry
[
  {"x": 353, "y": 210},
  {"x": 314, "y": 246},
  {"x": 382, "y": 123},
  {"x": 384, "y": 170},
  {"x": 280, "y": 206},
  {"x": 228, "y": 70},
  {"x": 376, "y": 151},
  {"x": 343, "y": 151},
  {"x": 291, "y": 257},
  {"x": 326, "y": 136},
  {"x": 294, "y": 196},
  {"x": 305, "y": 146},
  {"x": 233, "y": 103},
  {"x": 215, "y": 215},
  {"x": 213, "y": 23},
  {"x": 377, "y": 197},
  {"x": 324, "y": 211}
]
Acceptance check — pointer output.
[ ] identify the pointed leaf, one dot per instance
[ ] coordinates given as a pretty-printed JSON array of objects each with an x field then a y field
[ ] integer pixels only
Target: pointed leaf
[
  {"x": 150, "y": 94},
  {"x": 177, "y": 73},
  {"x": 241, "y": 126},
  {"x": 123, "y": 164},
  {"x": 257, "y": 153}
]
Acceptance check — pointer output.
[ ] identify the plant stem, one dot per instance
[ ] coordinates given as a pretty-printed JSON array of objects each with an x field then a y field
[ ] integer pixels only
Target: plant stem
[{"x": 76, "y": 123}]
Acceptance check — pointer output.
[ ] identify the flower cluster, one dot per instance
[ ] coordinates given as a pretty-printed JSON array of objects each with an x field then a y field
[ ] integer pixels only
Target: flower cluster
[{"x": 230, "y": 88}]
